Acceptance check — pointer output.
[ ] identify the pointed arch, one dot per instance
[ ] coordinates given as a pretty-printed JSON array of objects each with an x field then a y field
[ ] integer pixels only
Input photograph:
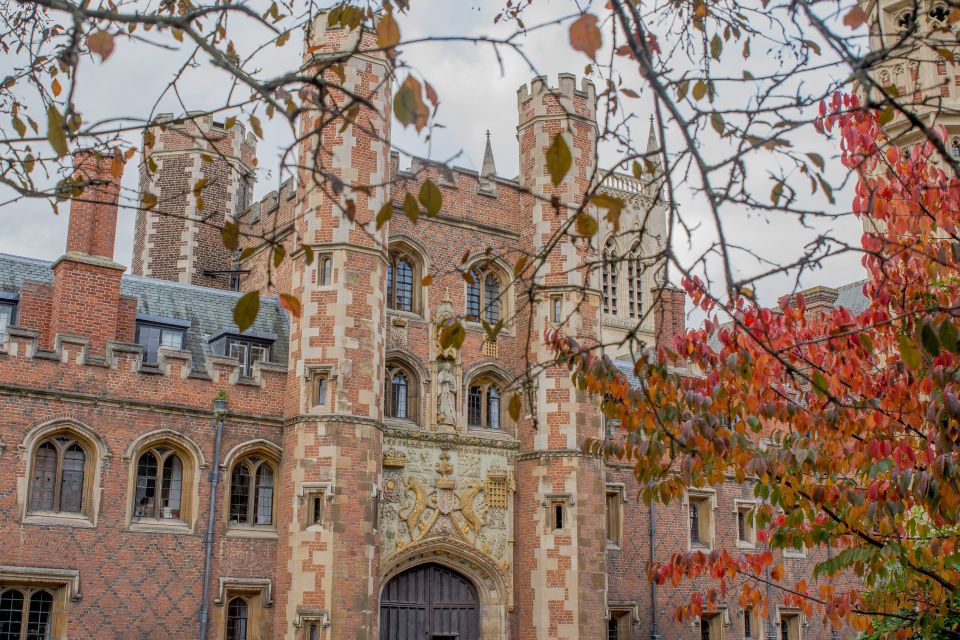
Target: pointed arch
[{"x": 610, "y": 276}]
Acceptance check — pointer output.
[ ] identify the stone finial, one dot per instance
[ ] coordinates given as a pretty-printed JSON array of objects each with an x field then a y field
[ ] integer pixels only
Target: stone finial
[
  {"x": 488, "y": 171},
  {"x": 653, "y": 148}
]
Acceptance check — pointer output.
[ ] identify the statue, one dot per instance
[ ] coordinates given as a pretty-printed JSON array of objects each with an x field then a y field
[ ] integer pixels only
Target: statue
[{"x": 446, "y": 395}]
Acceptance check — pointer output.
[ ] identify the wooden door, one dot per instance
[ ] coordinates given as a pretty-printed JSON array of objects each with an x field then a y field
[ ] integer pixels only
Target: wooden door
[{"x": 429, "y": 602}]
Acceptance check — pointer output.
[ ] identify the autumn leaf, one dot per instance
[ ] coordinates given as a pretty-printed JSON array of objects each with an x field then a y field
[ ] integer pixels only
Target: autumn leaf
[
  {"x": 56, "y": 135},
  {"x": 230, "y": 234},
  {"x": 291, "y": 304},
  {"x": 452, "y": 335},
  {"x": 388, "y": 33},
  {"x": 559, "y": 159},
  {"x": 586, "y": 225},
  {"x": 384, "y": 215},
  {"x": 855, "y": 18},
  {"x": 430, "y": 197},
  {"x": 100, "y": 43},
  {"x": 410, "y": 207},
  {"x": 246, "y": 310},
  {"x": 613, "y": 205},
  {"x": 514, "y": 407},
  {"x": 408, "y": 104},
  {"x": 585, "y": 35}
]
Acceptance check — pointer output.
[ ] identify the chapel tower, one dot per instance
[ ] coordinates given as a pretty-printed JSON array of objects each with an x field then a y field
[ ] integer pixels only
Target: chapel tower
[
  {"x": 195, "y": 175},
  {"x": 560, "y": 551},
  {"x": 328, "y": 551}
]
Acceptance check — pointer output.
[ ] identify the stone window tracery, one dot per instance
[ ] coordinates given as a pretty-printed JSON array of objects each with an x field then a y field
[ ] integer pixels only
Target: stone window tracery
[
  {"x": 402, "y": 278},
  {"x": 401, "y": 399},
  {"x": 484, "y": 296},
  {"x": 26, "y": 613},
  {"x": 58, "y": 475},
  {"x": 635, "y": 283},
  {"x": 252, "y": 491},
  {"x": 163, "y": 483},
  {"x": 610, "y": 275},
  {"x": 484, "y": 404}
]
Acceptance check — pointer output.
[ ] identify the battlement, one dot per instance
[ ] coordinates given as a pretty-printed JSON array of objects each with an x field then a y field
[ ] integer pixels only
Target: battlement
[
  {"x": 121, "y": 373},
  {"x": 269, "y": 203},
  {"x": 173, "y": 133},
  {"x": 540, "y": 99}
]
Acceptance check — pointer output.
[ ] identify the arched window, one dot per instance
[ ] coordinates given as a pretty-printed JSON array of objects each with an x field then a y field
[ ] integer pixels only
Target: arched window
[
  {"x": 635, "y": 282},
  {"x": 401, "y": 400},
  {"x": 57, "y": 482},
  {"x": 905, "y": 20},
  {"x": 159, "y": 489},
  {"x": 237, "y": 614},
  {"x": 955, "y": 149},
  {"x": 25, "y": 614},
  {"x": 326, "y": 271},
  {"x": 484, "y": 296},
  {"x": 483, "y": 404},
  {"x": 401, "y": 274},
  {"x": 252, "y": 482},
  {"x": 610, "y": 272}
]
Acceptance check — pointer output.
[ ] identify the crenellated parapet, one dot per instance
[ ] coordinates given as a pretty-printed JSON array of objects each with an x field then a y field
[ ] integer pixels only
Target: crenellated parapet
[
  {"x": 121, "y": 374},
  {"x": 540, "y": 100}
]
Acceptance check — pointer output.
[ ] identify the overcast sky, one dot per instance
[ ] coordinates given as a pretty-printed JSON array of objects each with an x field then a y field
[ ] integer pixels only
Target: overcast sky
[{"x": 476, "y": 94}]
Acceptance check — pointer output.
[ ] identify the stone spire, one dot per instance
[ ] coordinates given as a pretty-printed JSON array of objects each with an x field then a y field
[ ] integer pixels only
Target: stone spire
[
  {"x": 488, "y": 171},
  {"x": 652, "y": 146}
]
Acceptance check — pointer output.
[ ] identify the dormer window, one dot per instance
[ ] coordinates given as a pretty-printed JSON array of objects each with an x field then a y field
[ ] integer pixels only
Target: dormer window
[
  {"x": 155, "y": 333},
  {"x": 248, "y": 352},
  {"x": 8, "y": 315},
  {"x": 248, "y": 348}
]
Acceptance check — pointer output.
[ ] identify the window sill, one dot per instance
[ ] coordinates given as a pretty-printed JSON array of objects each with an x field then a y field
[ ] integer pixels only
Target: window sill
[
  {"x": 257, "y": 533},
  {"x": 743, "y": 544},
  {"x": 177, "y": 527},
  {"x": 406, "y": 315},
  {"x": 476, "y": 325},
  {"x": 493, "y": 434},
  {"x": 794, "y": 555},
  {"x": 613, "y": 546},
  {"x": 699, "y": 546},
  {"x": 53, "y": 519},
  {"x": 404, "y": 423}
]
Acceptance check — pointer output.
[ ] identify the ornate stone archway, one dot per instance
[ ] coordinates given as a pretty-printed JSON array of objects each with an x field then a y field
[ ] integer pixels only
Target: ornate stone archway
[{"x": 493, "y": 588}]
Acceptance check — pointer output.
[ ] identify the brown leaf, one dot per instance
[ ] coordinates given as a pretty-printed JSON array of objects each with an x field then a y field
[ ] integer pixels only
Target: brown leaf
[
  {"x": 585, "y": 35},
  {"x": 291, "y": 304},
  {"x": 56, "y": 135},
  {"x": 408, "y": 104},
  {"x": 427, "y": 280},
  {"x": 246, "y": 309},
  {"x": 101, "y": 43},
  {"x": 559, "y": 159},
  {"x": 388, "y": 33},
  {"x": 515, "y": 405},
  {"x": 855, "y": 17}
]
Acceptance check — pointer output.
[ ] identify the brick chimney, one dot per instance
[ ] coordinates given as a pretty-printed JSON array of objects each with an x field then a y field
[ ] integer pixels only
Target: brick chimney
[
  {"x": 819, "y": 301},
  {"x": 670, "y": 315},
  {"x": 86, "y": 280}
]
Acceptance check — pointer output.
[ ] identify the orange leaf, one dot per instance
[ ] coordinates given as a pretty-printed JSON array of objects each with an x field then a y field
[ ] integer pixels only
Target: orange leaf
[
  {"x": 855, "y": 17},
  {"x": 291, "y": 304},
  {"x": 585, "y": 35},
  {"x": 101, "y": 43}
]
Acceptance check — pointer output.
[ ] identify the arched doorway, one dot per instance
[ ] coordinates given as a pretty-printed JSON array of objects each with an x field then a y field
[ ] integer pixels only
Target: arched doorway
[{"x": 429, "y": 602}]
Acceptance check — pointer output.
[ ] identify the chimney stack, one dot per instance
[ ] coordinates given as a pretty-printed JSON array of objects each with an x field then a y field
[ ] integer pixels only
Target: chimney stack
[
  {"x": 86, "y": 281},
  {"x": 93, "y": 215}
]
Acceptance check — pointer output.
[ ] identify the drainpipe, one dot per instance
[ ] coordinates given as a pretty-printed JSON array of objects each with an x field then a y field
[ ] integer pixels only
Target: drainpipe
[
  {"x": 653, "y": 584},
  {"x": 219, "y": 410}
]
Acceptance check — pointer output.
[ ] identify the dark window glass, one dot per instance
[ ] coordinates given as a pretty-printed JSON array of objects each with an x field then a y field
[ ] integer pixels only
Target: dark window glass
[
  {"x": 704, "y": 629},
  {"x": 491, "y": 292},
  {"x": 44, "y": 478},
  {"x": 613, "y": 629},
  {"x": 635, "y": 283},
  {"x": 747, "y": 631},
  {"x": 71, "y": 485},
  {"x": 390, "y": 285},
  {"x": 784, "y": 630},
  {"x": 556, "y": 310},
  {"x": 263, "y": 499},
  {"x": 473, "y": 298},
  {"x": 8, "y": 316},
  {"x": 398, "y": 396},
  {"x": 11, "y": 614},
  {"x": 474, "y": 401},
  {"x": 609, "y": 265},
  {"x": 239, "y": 493},
  {"x": 38, "y": 624},
  {"x": 152, "y": 337},
  {"x": 237, "y": 619},
  {"x": 170, "y": 490},
  {"x": 146, "y": 496},
  {"x": 404, "y": 289},
  {"x": 326, "y": 271},
  {"x": 694, "y": 522},
  {"x": 493, "y": 407},
  {"x": 742, "y": 526}
]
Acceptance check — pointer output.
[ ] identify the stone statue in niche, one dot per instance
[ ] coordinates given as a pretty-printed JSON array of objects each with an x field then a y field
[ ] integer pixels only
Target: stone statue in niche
[{"x": 446, "y": 394}]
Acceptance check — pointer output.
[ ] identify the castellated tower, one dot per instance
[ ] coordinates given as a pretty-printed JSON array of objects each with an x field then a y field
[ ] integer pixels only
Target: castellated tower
[
  {"x": 332, "y": 440},
  {"x": 925, "y": 82},
  {"x": 178, "y": 239},
  {"x": 560, "y": 549}
]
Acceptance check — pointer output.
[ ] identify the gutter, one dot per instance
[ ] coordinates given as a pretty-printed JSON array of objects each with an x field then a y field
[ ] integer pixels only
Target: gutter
[{"x": 219, "y": 410}]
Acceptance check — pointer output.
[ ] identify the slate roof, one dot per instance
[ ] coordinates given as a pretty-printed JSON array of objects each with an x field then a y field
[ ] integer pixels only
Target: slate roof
[{"x": 209, "y": 311}]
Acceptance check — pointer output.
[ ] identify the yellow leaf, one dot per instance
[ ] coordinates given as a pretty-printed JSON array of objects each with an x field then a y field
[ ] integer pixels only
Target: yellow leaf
[
  {"x": 431, "y": 198},
  {"x": 410, "y": 207},
  {"x": 384, "y": 215},
  {"x": 246, "y": 309},
  {"x": 230, "y": 234},
  {"x": 149, "y": 200},
  {"x": 56, "y": 88},
  {"x": 427, "y": 280},
  {"x": 586, "y": 225},
  {"x": 282, "y": 40},
  {"x": 55, "y": 132},
  {"x": 515, "y": 406},
  {"x": 388, "y": 33},
  {"x": 255, "y": 125},
  {"x": 558, "y": 159}
]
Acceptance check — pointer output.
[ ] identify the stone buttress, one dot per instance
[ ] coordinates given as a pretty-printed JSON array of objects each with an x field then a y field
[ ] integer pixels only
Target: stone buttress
[
  {"x": 328, "y": 552},
  {"x": 560, "y": 561}
]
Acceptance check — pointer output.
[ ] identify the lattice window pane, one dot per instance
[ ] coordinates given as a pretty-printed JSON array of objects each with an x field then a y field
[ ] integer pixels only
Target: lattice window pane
[
  {"x": 473, "y": 298},
  {"x": 263, "y": 500},
  {"x": 404, "y": 300},
  {"x": 493, "y": 408},
  {"x": 172, "y": 486},
  {"x": 146, "y": 486},
  {"x": 237, "y": 619},
  {"x": 41, "y": 608},
  {"x": 474, "y": 401},
  {"x": 491, "y": 292},
  {"x": 399, "y": 395},
  {"x": 240, "y": 493},
  {"x": 390, "y": 302},
  {"x": 71, "y": 485},
  {"x": 44, "y": 478},
  {"x": 11, "y": 614}
]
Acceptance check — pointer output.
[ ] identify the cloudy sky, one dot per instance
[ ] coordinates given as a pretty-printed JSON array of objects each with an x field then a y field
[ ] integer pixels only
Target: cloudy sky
[{"x": 477, "y": 94}]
